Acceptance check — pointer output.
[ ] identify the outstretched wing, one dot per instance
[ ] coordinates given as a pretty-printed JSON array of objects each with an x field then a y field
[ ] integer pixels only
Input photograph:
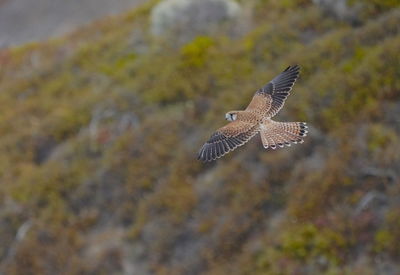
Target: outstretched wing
[
  {"x": 227, "y": 139},
  {"x": 270, "y": 99}
]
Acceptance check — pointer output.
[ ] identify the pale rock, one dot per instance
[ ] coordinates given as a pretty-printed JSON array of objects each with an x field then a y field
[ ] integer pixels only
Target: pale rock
[{"x": 186, "y": 19}]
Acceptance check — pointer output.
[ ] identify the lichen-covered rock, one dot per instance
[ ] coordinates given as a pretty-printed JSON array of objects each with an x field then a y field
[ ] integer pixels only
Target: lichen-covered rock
[{"x": 186, "y": 19}]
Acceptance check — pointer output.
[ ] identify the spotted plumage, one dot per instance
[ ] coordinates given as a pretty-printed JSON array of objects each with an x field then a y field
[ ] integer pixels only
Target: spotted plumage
[{"x": 256, "y": 118}]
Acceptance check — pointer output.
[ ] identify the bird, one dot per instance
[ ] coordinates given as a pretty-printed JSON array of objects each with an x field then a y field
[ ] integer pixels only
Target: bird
[{"x": 257, "y": 119}]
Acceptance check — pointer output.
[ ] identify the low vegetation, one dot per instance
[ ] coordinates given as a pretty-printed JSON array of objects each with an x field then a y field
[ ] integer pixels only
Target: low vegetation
[{"x": 100, "y": 131}]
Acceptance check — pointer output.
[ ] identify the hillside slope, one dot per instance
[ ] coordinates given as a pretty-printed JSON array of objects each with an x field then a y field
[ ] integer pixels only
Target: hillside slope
[{"x": 100, "y": 132}]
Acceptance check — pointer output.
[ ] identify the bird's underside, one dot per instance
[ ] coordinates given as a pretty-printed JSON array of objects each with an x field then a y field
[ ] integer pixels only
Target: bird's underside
[{"x": 256, "y": 118}]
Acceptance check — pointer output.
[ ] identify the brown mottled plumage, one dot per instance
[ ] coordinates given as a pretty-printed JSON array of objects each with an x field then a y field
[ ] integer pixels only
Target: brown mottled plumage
[{"x": 265, "y": 104}]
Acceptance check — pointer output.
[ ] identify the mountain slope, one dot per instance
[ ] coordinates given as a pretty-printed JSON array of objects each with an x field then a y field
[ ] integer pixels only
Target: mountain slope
[{"x": 100, "y": 131}]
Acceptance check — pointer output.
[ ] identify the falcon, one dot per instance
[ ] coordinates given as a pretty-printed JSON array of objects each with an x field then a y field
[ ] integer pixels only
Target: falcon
[{"x": 256, "y": 118}]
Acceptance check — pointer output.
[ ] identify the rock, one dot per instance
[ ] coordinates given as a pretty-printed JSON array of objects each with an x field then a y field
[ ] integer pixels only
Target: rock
[
  {"x": 372, "y": 200},
  {"x": 339, "y": 9},
  {"x": 186, "y": 19}
]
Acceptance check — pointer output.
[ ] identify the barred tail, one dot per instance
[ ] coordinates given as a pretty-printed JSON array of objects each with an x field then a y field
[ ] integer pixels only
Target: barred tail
[{"x": 278, "y": 134}]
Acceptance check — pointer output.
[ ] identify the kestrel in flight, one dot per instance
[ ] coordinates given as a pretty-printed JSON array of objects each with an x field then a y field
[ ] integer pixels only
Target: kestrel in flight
[{"x": 256, "y": 118}]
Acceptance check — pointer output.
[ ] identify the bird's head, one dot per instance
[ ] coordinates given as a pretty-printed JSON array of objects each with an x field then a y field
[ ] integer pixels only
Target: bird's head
[{"x": 231, "y": 116}]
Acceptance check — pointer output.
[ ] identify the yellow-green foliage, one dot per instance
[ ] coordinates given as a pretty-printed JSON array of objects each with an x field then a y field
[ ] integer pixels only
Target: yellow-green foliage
[
  {"x": 310, "y": 242},
  {"x": 194, "y": 54},
  {"x": 100, "y": 131}
]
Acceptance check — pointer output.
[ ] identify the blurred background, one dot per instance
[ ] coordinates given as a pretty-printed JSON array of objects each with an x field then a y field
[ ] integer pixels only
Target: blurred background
[
  {"x": 23, "y": 21},
  {"x": 104, "y": 106}
]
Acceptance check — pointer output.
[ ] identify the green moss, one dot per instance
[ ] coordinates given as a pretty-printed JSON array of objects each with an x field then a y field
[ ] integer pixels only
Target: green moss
[
  {"x": 308, "y": 242},
  {"x": 195, "y": 53},
  {"x": 358, "y": 56},
  {"x": 383, "y": 239}
]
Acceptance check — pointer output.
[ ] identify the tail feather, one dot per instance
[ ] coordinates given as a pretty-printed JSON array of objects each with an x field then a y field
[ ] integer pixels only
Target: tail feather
[
  {"x": 278, "y": 134},
  {"x": 268, "y": 138}
]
